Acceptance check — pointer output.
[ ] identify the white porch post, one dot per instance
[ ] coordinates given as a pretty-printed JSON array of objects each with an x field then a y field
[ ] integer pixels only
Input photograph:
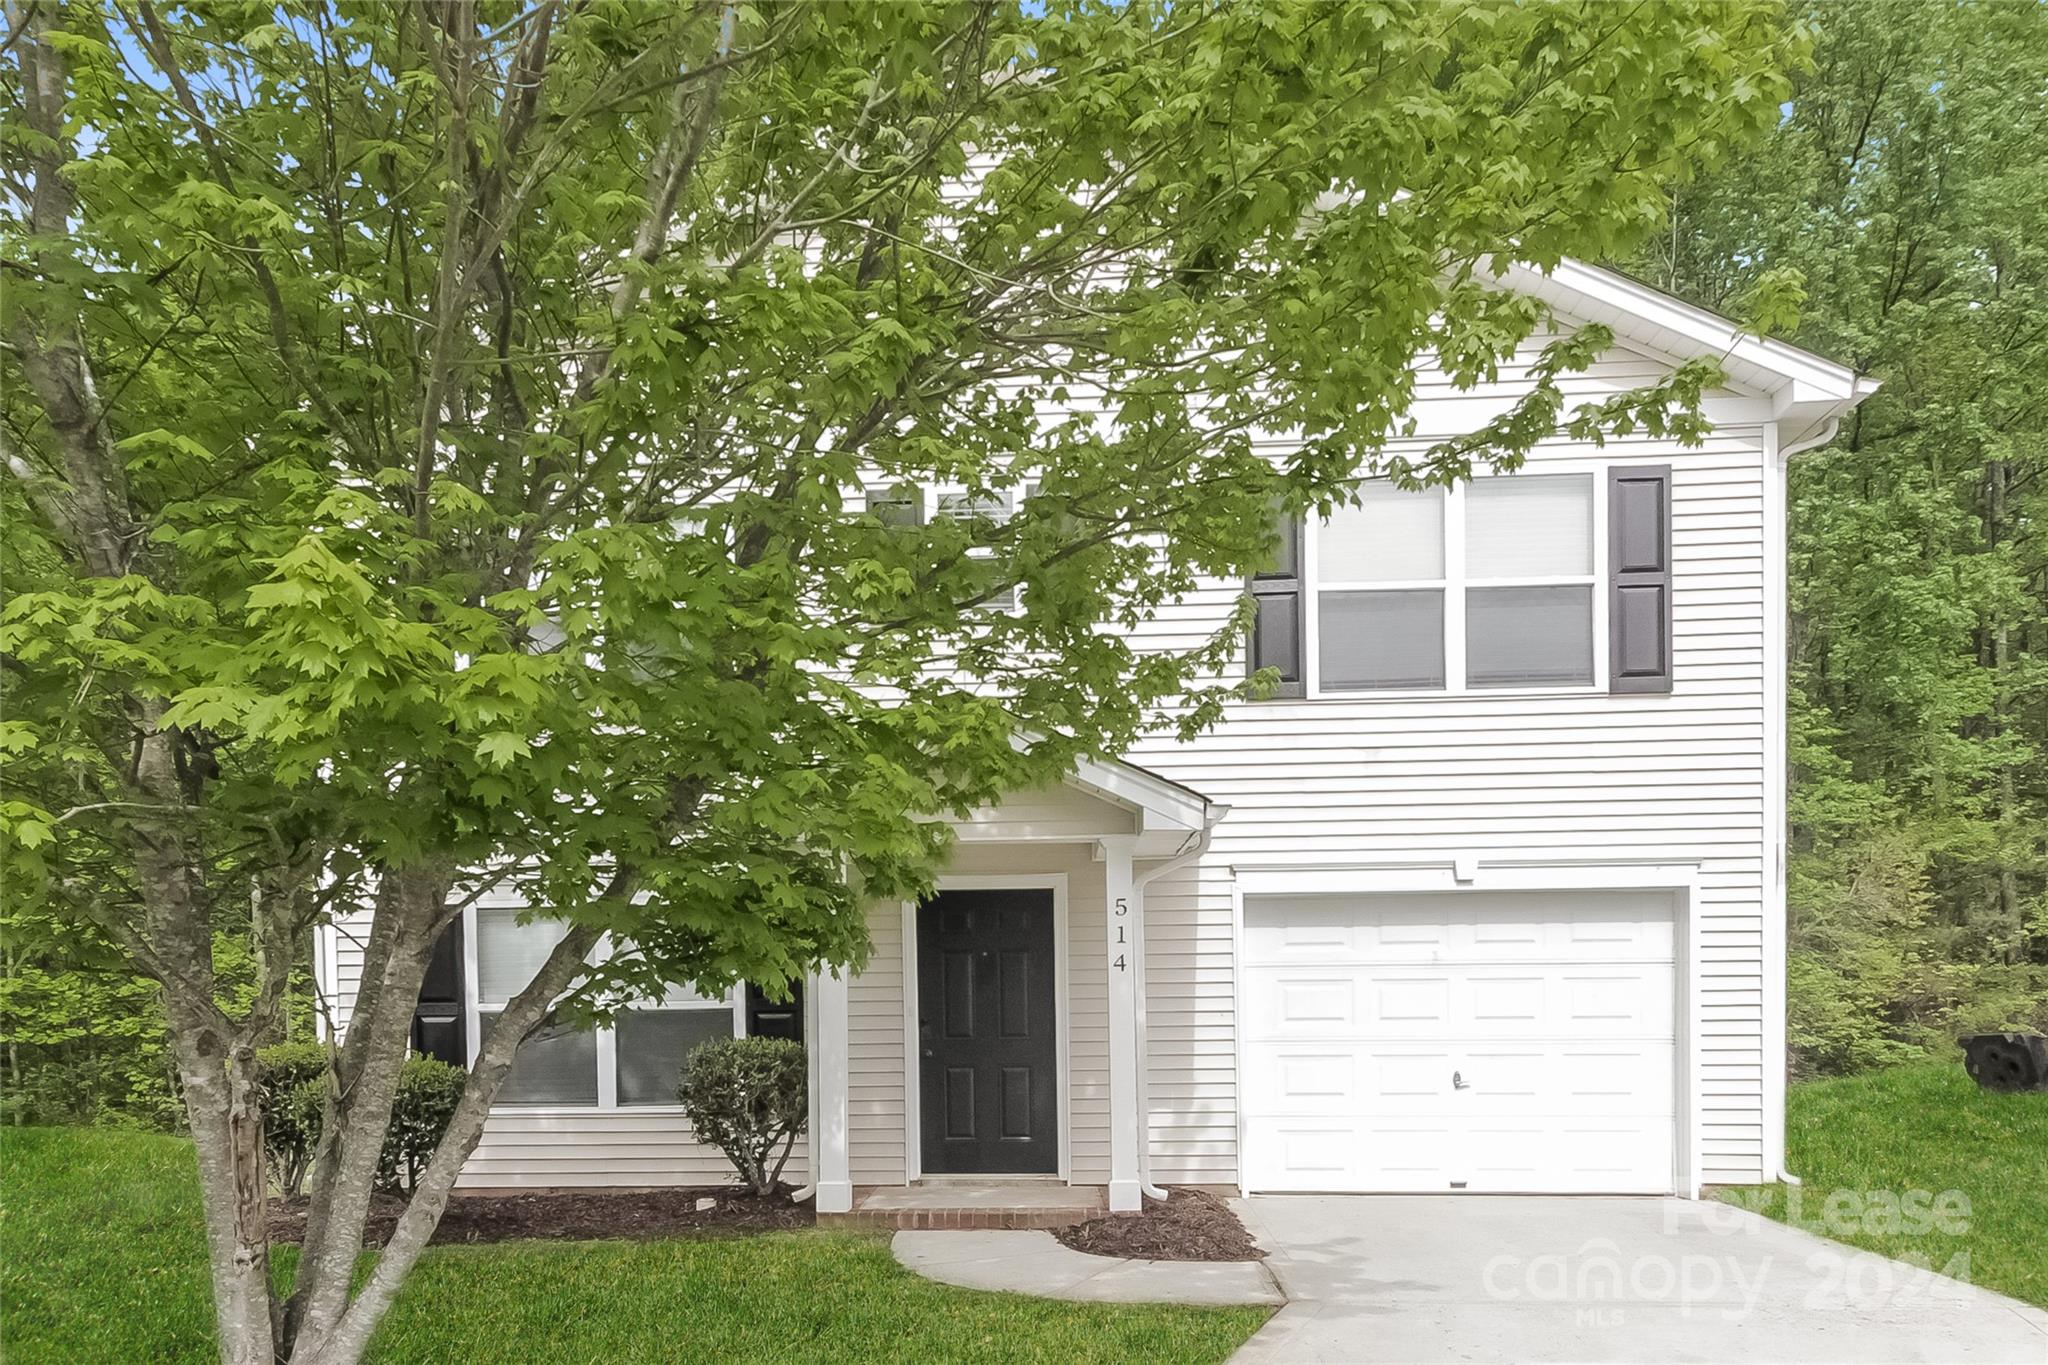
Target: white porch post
[
  {"x": 1126, "y": 1124},
  {"x": 834, "y": 1176}
]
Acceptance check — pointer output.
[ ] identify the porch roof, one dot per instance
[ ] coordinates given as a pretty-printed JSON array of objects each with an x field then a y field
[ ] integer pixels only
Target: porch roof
[{"x": 1104, "y": 797}]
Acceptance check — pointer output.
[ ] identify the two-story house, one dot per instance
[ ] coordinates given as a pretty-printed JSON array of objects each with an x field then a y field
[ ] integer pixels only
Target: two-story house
[{"x": 1489, "y": 898}]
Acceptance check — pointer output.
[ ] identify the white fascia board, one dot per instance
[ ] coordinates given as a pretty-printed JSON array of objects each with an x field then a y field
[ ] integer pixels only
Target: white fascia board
[
  {"x": 1578, "y": 288},
  {"x": 1160, "y": 804}
]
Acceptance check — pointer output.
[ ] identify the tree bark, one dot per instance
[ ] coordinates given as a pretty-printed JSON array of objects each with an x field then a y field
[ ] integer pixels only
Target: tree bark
[
  {"x": 358, "y": 1111},
  {"x": 2008, "y": 885},
  {"x": 219, "y": 1079},
  {"x": 345, "y": 1341}
]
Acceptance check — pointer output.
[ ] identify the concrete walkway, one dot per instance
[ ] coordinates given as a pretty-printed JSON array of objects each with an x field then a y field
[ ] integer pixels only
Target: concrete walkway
[
  {"x": 1034, "y": 1263},
  {"x": 1471, "y": 1278}
]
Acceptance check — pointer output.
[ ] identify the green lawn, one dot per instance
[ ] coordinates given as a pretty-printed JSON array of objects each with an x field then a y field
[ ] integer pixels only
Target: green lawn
[
  {"x": 102, "y": 1258},
  {"x": 1922, "y": 1128}
]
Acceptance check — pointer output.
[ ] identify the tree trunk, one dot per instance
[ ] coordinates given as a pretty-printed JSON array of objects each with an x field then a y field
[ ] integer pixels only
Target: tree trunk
[
  {"x": 16, "y": 1115},
  {"x": 227, "y": 1134},
  {"x": 344, "y": 1342},
  {"x": 358, "y": 1111},
  {"x": 2008, "y": 890}
]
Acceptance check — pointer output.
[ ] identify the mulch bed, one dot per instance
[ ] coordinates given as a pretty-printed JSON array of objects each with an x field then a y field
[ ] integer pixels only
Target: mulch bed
[
  {"x": 575, "y": 1215},
  {"x": 1193, "y": 1225}
]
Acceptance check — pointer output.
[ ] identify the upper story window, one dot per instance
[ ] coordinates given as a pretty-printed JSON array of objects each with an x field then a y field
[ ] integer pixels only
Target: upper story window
[
  {"x": 907, "y": 504},
  {"x": 1494, "y": 584},
  {"x": 638, "y": 1060},
  {"x": 998, "y": 506}
]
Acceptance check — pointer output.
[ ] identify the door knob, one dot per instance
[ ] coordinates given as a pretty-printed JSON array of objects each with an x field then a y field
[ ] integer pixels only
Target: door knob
[
  {"x": 927, "y": 1052},
  {"x": 1458, "y": 1082}
]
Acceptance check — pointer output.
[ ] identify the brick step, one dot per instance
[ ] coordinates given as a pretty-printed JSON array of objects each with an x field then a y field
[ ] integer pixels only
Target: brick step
[
  {"x": 971, "y": 1205},
  {"x": 939, "y": 1219}
]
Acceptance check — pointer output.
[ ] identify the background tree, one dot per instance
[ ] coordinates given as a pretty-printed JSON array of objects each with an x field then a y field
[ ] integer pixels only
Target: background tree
[
  {"x": 437, "y": 432},
  {"x": 1905, "y": 197}
]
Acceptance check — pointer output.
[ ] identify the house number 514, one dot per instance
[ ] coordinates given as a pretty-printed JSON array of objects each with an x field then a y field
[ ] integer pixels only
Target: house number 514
[{"x": 1123, "y": 907}]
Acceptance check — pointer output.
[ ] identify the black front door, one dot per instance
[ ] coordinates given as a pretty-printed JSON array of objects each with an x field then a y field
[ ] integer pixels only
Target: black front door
[{"x": 986, "y": 1033}]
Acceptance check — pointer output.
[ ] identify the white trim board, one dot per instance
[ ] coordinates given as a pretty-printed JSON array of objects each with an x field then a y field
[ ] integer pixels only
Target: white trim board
[{"x": 913, "y": 1087}]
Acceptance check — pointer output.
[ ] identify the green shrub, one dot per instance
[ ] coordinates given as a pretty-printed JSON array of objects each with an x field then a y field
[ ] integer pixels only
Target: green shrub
[
  {"x": 428, "y": 1091},
  {"x": 744, "y": 1096},
  {"x": 294, "y": 1081},
  {"x": 293, "y": 1077}
]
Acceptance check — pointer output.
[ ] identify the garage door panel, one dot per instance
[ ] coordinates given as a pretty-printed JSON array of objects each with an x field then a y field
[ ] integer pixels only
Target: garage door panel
[
  {"x": 1300, "y": 1002},
  {"x": 1569, "y": 1156},
  {"x": 1632, "y": 1079},
  {"x": 1635, "y": 1001},
  {"x": 1617, "y": 933},
  {"x": 1351, "y": 1080},
  {"x": 1410, "y": 1082},
  {"x": 1551, "y": 1082},
  {"x": 1298, "y": 1154},
  {"x": 1468, "y": 1041},
  {"x": 1408, "y": 1006},
  {"x": 1312, "y": 1080},
  {"x": 1505, "y": 1079},
  {"x": 1495, "y": 1000},
  {"x": 1329, "y": 1155},
  {"x": 1496, "y": 935},
  {"x": 1328, "y": 930}
]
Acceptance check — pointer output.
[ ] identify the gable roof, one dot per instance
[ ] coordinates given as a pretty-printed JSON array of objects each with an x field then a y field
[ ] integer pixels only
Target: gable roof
[{"x": 1809, "y": 393}]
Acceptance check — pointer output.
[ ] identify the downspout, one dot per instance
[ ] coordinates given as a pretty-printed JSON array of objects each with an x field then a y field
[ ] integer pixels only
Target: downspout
[
  {"x": 1863, "y": 388},
  {"x": 1200, "y": 845},
  {"x": 1821, "y": 438}
]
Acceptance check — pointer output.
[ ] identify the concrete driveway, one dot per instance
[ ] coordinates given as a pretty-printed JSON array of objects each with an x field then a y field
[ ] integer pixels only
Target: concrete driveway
[{"x": 1475, "y": 1278}]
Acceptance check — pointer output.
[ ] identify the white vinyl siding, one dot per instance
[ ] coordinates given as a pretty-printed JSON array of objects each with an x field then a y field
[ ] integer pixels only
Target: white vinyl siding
[
  {"x": 1191, "y": 1084},
  {"x": 544, "y": 1145},
  {"x": 540, "y": 1148},
  {"x": 1542, "y": 776},
  {"x": 338, "y": 948},
  {"x": 874, "y": 1051},
  {"x": 875, "y": 1005}
]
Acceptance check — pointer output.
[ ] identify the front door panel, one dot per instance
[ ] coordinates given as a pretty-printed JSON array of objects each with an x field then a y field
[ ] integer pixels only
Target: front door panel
[{"x": 987, "y": 1036}]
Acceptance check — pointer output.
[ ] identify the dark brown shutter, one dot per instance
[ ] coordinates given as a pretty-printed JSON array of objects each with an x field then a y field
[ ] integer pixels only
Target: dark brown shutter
[
  {"x": 439, "y": 1028},
  {"x": 776, "y": 1018},
  {"x": 1277, "y": 634},
  {"x": 1639, "y": 578}
]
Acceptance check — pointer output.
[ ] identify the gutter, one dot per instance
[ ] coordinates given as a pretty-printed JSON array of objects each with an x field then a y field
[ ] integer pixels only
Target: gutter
[
  {"x": 1862, "y": 388},
  {"x": 1188, "y": 854},
  {"x": 1820, "y": 438}
]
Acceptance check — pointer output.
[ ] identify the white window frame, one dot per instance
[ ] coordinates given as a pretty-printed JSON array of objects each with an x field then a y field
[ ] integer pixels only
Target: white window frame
[
  {"x": 931, "y": 495},
  {"x": 1452, "y": 585},
  {"x": 1013, "y": 500},
  {"x": 474, "y": 1008}
]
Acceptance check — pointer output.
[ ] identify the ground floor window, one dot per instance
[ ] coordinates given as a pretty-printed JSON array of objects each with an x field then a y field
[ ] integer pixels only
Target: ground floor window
[{"x": 637, "y": 1062}]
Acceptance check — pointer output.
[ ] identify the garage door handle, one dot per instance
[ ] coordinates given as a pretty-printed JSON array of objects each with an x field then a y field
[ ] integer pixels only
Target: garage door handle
[{"x": 1458, "y": 1082}]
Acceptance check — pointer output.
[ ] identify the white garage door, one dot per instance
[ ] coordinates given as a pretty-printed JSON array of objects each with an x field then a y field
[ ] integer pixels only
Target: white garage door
[{"x": 1460, "y": 1041}]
